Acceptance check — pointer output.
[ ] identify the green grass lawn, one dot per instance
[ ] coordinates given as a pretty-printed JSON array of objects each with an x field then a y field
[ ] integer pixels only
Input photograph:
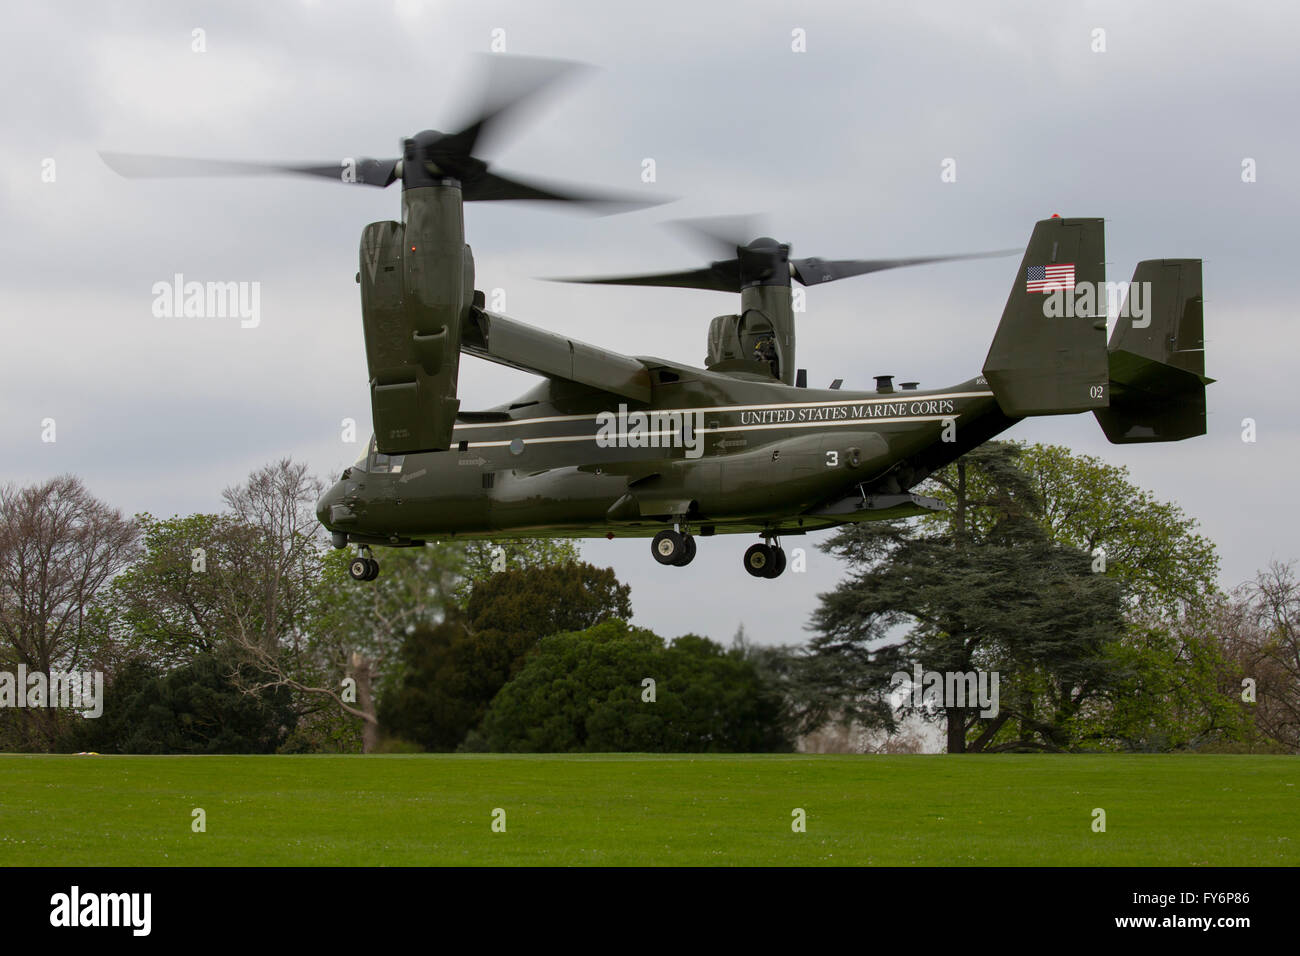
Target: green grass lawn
[{"x": 650, "y": 810}]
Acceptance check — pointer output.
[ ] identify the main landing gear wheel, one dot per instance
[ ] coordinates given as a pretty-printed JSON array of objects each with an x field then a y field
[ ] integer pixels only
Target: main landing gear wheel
[
  {"x": 363, "y": 569},
  {"x": 764, "y": 560},
  {"x": 688, "y": 551},
  {"x": 669, "y": 547}
]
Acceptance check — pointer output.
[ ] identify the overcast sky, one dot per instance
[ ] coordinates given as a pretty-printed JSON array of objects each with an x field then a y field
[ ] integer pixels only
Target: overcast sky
[{"x": 840, "y": 147}]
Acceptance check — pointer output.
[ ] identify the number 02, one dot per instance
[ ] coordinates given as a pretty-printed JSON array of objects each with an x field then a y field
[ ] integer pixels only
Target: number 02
[{"x": 1097, "y": 391}]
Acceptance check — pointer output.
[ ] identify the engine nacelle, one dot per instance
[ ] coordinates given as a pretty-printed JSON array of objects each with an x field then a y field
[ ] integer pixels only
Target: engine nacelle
[{"x": 417, "y": 284}]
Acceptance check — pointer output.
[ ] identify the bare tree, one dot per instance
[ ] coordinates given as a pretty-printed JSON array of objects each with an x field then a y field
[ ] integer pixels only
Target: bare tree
[
  {"x": 356, "y": 630},
  {"x": 277, "y": 504},
  {"x": 298, "y": 618},
  {"x": 271, "y": 560},
  {"x": 58, "y": 546},
  {"x": 274, "y": 601},
  {"x": 1271, "y": 605}
]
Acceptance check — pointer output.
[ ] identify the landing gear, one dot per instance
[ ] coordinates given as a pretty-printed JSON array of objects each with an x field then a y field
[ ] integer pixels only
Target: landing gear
[
  {"x": 668, "y": 547},
  {"x": 363, "y": 567},
  {"x": 765, "y": 560},
  {"x": 673, "y": 547}
]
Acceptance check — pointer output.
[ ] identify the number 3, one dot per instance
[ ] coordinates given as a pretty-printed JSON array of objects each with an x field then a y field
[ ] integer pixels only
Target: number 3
[{"x": 832, "y": 459}]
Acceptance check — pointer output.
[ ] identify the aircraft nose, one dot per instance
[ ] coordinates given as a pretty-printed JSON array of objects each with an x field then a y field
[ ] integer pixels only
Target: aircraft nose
[
  {"x": 331, "y": 511},
  {"x": 331, "y": 497}
]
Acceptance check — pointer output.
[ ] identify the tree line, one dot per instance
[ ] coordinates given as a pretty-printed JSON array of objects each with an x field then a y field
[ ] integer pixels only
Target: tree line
[
  {"x": 1096, "y": 605},
  {"x": 242, "y": 632}
]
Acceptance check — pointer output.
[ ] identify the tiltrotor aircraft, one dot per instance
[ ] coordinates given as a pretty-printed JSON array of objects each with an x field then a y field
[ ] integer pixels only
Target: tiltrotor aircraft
[{"x": 619, "y": 445}]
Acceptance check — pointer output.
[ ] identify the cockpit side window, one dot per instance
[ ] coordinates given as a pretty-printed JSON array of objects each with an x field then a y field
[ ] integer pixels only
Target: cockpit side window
[{"x": 377, "y": 463}]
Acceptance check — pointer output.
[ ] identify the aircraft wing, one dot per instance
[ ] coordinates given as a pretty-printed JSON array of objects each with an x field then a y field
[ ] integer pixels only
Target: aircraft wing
[{"x": 507, "y": 342}]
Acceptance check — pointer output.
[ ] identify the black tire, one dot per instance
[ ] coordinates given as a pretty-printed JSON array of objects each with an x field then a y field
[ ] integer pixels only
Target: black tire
[
  {"x": 778, "y": 563},
  {"x": 758, "y": 560},
  {"x": 667, "y": 547},
  {"x": 688, "y": 551},
  {"x": 359, "y": 569},
  {"x": 374, "y": 570}
]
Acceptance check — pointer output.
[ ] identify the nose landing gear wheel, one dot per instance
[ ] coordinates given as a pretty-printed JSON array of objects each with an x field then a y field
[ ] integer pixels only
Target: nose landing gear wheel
[
  {"x": 668, "y": 547},
  {"x": 363, "y": 569},
  {"x": 688, "y": 551}
]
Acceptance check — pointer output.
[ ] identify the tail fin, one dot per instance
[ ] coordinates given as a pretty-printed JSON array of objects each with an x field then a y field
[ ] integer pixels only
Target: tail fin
[
  {"x": 1157, "y": 357},
  {"x": 1047, "y": 358}
]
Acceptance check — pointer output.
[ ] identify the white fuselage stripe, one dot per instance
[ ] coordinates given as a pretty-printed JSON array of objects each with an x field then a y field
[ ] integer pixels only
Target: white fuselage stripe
[
  {"x": 726, "y": 428},
  {"x": 892, "y": 399}
]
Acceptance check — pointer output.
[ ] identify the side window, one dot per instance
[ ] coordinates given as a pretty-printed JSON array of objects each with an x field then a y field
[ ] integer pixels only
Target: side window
[
  {"x": 386, "y": 464},
  {"x": 381, "y": 464}
]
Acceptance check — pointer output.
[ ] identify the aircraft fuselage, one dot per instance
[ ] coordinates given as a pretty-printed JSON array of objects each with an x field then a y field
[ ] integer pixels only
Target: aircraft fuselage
[{"x": 715, "y": 452}]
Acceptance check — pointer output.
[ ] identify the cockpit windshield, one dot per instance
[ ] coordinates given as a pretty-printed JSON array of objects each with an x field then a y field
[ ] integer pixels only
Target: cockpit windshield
[{"x": 375, "y": 463}]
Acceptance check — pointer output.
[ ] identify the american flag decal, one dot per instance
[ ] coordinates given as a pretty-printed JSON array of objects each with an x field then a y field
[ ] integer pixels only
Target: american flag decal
[{"x": 1050, "y": 278}]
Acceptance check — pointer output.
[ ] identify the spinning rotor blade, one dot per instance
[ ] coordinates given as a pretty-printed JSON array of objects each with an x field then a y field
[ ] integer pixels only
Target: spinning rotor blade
[
  {"x": 370, "y": 172},
  {"x": 728, "y": 237},
  {"x": 716, "y": 278},
  {"x": 489, "y": 187},
  {"x": 814, "y": 271},
  {"x": 509, "y": 83},
  {"x": 429, "y": 157},
  {"x": 722, "y": 236},
  {"x": 759, "y": 260}
]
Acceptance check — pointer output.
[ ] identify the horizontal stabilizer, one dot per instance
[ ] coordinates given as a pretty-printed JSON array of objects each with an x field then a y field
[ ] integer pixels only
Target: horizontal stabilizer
[{"x": 1157, "y": 357}]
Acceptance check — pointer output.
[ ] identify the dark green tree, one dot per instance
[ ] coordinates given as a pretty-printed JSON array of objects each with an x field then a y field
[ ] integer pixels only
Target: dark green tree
[
  {"x": 616, "y": 688},
  {"x": 450, "y": 671},
  {"x": 484, "y": 558},
  {"x": 175, "y": 601},
  {"x": 194, "y": 709},
  {"x": 987, "y": 589},
  {"x": 1152, "y": 546}
]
